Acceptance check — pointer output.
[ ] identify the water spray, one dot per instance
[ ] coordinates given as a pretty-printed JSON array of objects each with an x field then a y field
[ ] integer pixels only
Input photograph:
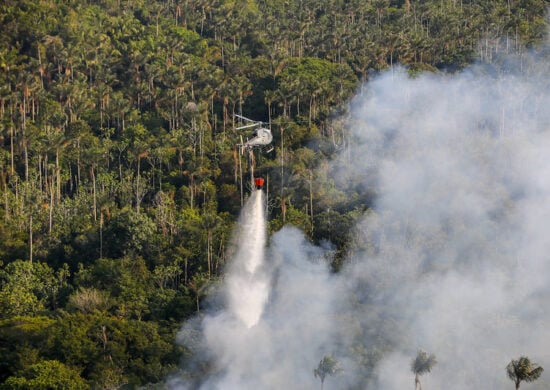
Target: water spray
[{"x": 247, "y": 287}]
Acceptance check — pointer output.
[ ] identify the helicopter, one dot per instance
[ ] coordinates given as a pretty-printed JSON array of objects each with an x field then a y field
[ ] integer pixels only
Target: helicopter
[{"x": 261, "y": 138}]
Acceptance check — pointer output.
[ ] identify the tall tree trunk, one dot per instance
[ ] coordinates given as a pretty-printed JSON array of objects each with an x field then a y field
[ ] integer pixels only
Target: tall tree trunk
[
  {"x": 241, "y": 178},
  {"x": 138, "y": 200},
  {"x": 30, "y": 238},
  {"x": 12, "y": 136},
  {"x": 192, "y": 192},
  {"x": 57, "y": 176},
  {"x": 417, "y": 384},
  {"x": 239, "y": 172},
  {"x": 40, "y": 168},
  {"x": 185, "y": 269},
  {"x": 282, "y": 160},
  {"x": 311, "y": 198},
  {"x": 198, "y": 306},
  {"x": 78, "y": 165},
  {"x": 25, "y": 148},
  {"x": 101, "y": 235},
  {"x": 6, "y": 204},
  {"x": 94, "y": 191},
  {"x": 51, "y": 213},
  {"x": 209, "y": 251},
  {"x": 26, "y": 154}
]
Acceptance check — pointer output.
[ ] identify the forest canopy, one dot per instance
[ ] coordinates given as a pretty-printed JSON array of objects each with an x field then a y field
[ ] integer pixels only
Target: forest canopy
[{"x": 120, "y": 178}]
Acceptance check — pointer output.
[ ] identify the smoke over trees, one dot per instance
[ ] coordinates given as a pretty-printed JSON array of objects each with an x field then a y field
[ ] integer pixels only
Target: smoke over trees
[{"x": 423, "y": 200}]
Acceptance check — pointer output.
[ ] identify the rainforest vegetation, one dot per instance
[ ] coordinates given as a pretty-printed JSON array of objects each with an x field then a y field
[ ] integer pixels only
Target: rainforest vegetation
[{"x": 120, "y": 179}]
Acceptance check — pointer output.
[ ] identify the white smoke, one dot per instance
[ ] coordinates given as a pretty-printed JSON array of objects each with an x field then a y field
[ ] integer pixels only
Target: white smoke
[
  {"x": 256, "y": 343},
  {"x": 457, "y": 252},
  {"x": 453, "y": 258}
]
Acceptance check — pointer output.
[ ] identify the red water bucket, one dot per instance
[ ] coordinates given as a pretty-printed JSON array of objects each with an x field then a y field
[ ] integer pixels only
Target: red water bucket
[{"x": 259, "y": 181}]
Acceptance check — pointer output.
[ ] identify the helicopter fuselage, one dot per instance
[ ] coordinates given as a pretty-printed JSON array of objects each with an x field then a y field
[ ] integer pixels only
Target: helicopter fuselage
[{"x": 260, "y": 137}]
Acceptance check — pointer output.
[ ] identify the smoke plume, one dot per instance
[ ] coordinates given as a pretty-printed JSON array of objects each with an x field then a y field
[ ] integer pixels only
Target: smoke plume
[
  {"x": 275, "y": 321},
  {"x": 453, "y": 257}
]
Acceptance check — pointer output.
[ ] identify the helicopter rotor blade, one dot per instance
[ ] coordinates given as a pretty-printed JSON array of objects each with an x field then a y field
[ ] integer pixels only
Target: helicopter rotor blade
[
  {"x": 244, "y": 118},
  {"x": 247, "y": 126}
]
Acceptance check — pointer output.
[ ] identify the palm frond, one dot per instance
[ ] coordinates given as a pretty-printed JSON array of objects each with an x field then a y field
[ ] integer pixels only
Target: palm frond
[
  {"x": 423, "y": 363},
  {"x": 523, "y": 370}
]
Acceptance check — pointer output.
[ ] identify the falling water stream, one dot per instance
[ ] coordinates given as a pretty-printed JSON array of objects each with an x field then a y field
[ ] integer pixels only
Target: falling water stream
[{"x": 247, "y": 285}]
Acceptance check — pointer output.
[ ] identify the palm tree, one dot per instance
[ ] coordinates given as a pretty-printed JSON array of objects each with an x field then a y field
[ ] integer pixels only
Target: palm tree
[
  {"x": 327, "y": 366},
  {"x": 523, "y": 370},
  {"x": 422, "y": 364}
]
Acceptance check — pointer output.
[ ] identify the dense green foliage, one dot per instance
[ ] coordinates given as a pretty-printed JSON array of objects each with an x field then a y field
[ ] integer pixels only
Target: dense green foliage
[{"x": 120, "y": 180}]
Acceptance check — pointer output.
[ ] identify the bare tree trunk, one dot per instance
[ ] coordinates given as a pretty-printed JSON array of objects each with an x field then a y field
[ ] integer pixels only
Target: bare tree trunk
[
  {"x": 311, "y": 198},
  {"x": 198, "y": 306},
  {"x": 138, "y": 200},
  {"x": 6, "y": 204},
  {"x": 12, "y": 136},
  {"x": 30, "y": 238},
  {"x": 40, "y": 168},
  {"x": 78, "y": 166},
  {"x": 26, "y": 153},
  {"x": 282, "y": 160},
  {"x": 192, "y": 192},
  {"x": 185, "y": 268},
  {"x": 241, "y": 177},
  {"x": 101, "y": 235},
  {"x": 25, "y": 149},
  {"x": 57, "y": 176},
  {"x": 94, "y": 192},
  {"x": 209, "y": 251},
  {"x": 51, "y": 212},
  {"x": 417, "y": 384},
  {"x": 104, "y": 338}
]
